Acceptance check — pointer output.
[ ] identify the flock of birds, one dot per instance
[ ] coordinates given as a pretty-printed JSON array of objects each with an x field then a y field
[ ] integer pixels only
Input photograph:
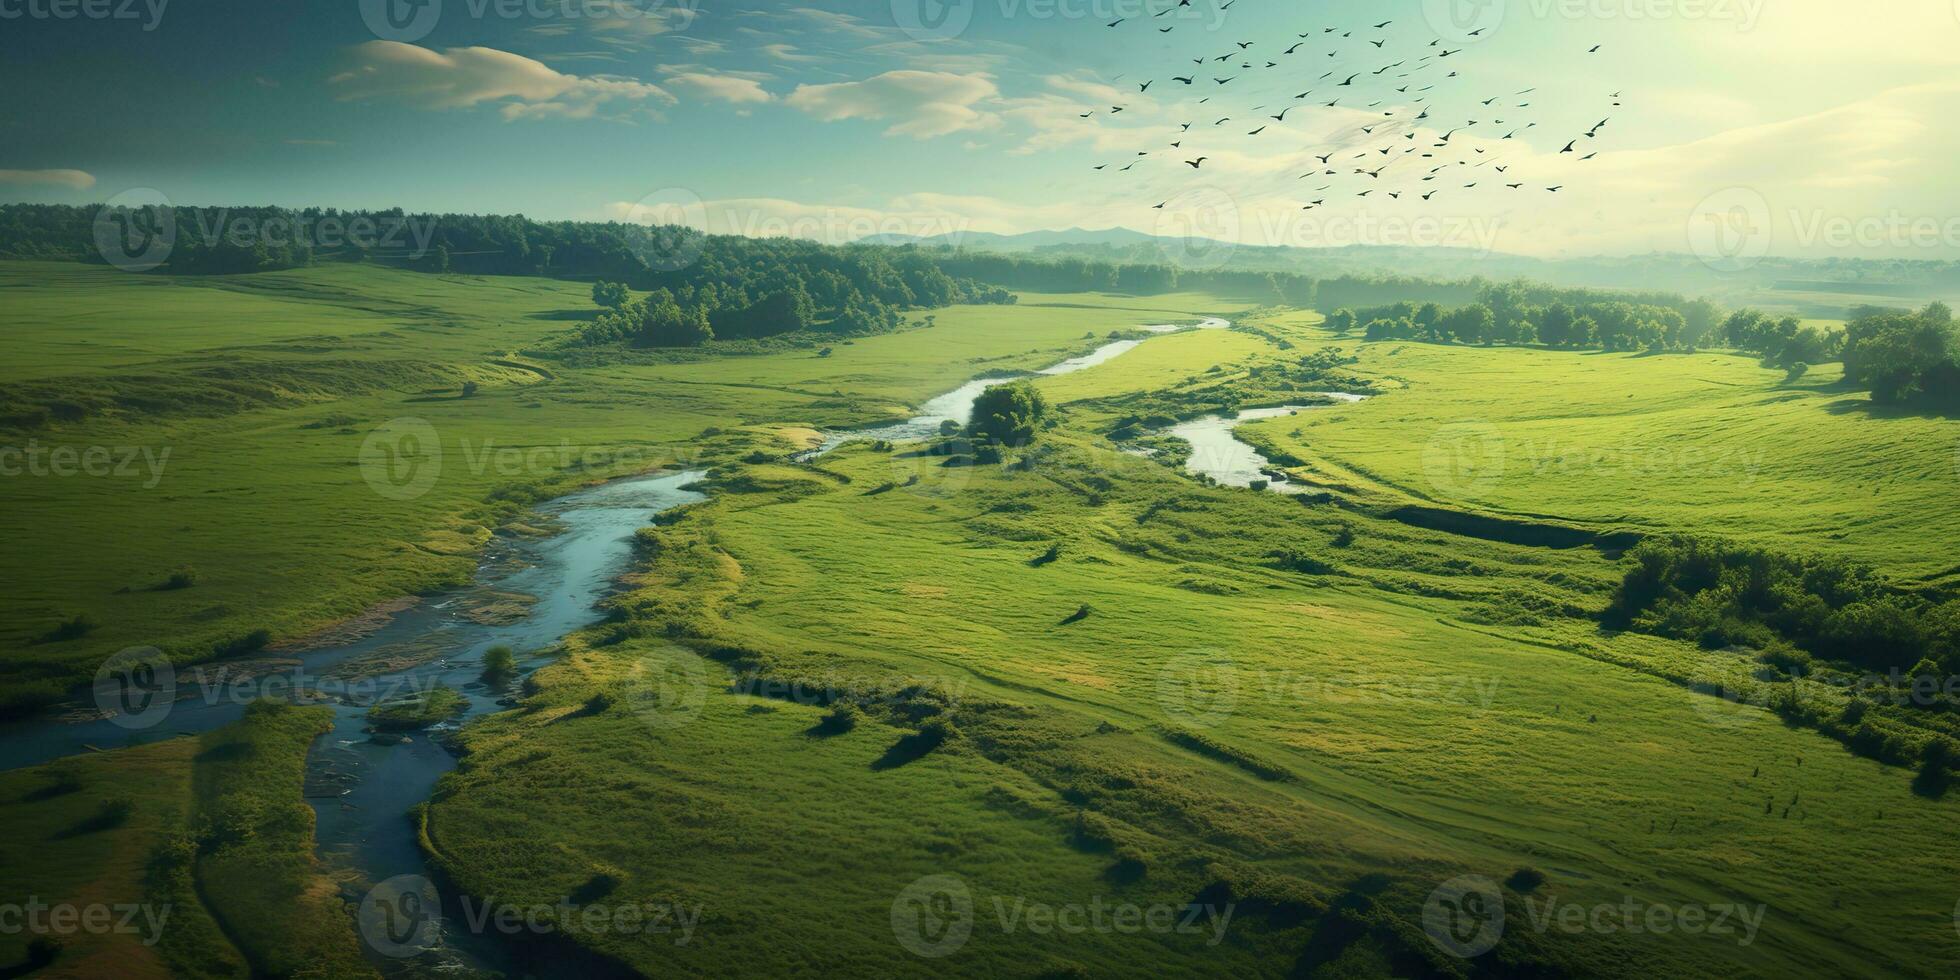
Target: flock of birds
[{"x": 1357, "y": 68}]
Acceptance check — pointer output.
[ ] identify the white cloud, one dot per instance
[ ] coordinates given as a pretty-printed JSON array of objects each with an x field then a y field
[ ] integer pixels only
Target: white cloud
[
  {"x": 458, "y": 78},
  {"x": 922, "y": 104},
  {"x": 726, "y": 88},
  {"x": 835, "y": 22},
  {"x": 786, "y": 52},
  {"x": 80, "y": 180}
]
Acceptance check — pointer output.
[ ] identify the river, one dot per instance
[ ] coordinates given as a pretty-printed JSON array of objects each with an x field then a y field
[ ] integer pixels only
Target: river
[
  {"x": 1216, "y": 451},
  {"x": 528, "y": 594},
  {"x": 957, "y": 405}
]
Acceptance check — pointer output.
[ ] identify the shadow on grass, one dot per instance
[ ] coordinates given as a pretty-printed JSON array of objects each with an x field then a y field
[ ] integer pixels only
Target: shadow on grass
[
  {"x": 1932, "y": 783},
  {"x": 41, "y": 954},
  {"x": 1873, "y": 410},
  {"x": 113, "y": 814},
  {"x": 913, "y": 747}
]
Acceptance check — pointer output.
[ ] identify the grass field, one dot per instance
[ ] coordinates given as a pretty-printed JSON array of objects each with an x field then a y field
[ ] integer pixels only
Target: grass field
[
  {"x": 1085, "y": 681},
  {"x": 200, "y": 850},
  {"x": 1398, "y": 715},
  {"x": 386, "y": 345},
  {"x": 1708, "y": 442}
]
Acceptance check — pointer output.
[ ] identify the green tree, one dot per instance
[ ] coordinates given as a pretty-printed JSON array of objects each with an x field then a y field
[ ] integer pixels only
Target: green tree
[
  {"x": 611, "y": 295},
  {"x": 1008, "y": 414}
]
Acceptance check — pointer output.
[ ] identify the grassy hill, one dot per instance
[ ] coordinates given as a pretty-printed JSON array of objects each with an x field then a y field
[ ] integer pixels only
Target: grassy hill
[
  {"x": 1081, "y": 681},
  {"x": 290, "y": 374}
]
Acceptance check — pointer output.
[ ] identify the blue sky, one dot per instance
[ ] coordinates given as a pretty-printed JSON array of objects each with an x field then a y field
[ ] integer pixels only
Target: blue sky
[{"x": 1829, "y": 123}]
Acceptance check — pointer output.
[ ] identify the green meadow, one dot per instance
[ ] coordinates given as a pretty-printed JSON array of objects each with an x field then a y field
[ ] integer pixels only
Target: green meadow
[
  {"x": 1079, "y": 680},
  {"x": 300, "y": 367},
  {"x": 1704, "y": 442}
]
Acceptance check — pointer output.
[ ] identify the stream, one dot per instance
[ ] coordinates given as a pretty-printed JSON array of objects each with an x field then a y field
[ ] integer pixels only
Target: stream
[
  {"x": 529, "y": 592},
  {"x": 957, "y": 405},
  {"x": 1216, "y": 451}
]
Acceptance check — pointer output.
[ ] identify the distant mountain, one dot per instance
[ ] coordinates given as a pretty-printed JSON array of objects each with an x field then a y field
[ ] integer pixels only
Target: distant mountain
[{"x": 1026, "y": 241}]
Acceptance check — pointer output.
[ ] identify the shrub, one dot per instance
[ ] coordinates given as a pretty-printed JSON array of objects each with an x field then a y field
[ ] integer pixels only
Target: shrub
[
  {"x": 1525, "y": 880},
  {"x": 611, "y": 295},
  {"x": 499, "y": 662},
  {"x": 182, "y": 578},
  {"x": 73, "y": 628},
  {"x": 251, "y": 642},
  {"x": 842, "y": 717},
  {"x": 1298, "y": 561}
]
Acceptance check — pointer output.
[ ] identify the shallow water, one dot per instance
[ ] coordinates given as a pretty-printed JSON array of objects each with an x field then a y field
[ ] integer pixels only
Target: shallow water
[
  {"x": 362, "y": 790},
  {"x": 1217, "y": 452},
  {"x": 957, "y": 405}
]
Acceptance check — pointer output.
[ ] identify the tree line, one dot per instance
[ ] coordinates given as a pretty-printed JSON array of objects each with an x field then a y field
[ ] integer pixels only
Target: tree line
[
  {"x": 1072, "y": 274},
  {"x": 749, "y": 288},
  {"x": 1523, "y": 313},
  {"x": 700, "y": 286}
]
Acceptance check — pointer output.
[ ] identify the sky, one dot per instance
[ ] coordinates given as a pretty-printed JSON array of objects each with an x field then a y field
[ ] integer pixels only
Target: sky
[{"x": 1731, "y": 127}]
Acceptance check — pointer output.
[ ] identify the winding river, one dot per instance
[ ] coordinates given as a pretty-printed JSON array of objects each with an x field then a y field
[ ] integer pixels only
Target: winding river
[
  {"x": 528, "y": 594},
  {"x": 1217, "y": 452},
  {"x": 957, "y": 405}
]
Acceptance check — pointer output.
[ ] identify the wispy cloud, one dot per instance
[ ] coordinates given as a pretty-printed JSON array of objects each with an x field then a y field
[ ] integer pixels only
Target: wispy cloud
[
  {"x": 80, "y": 180},
  {"x": 722, "y": 87},
  {"x": 458, "y": 78},
  {"x": 921, "y": 104}
]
